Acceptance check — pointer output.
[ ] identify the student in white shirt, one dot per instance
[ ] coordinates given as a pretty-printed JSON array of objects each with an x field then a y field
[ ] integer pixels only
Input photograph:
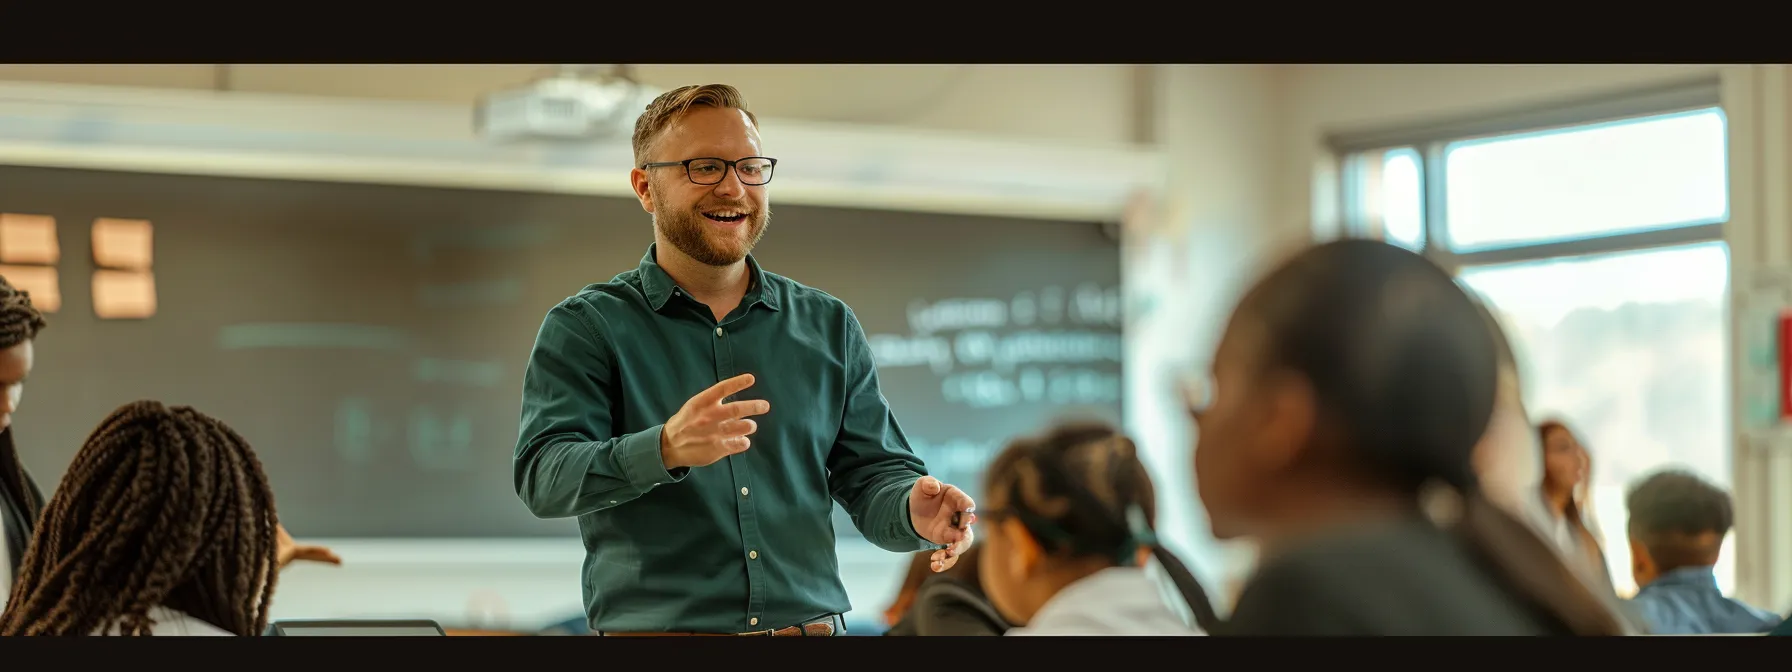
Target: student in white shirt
[
  {"x": 1067, "y": 532},
  {"x": 164, "y": 525}
]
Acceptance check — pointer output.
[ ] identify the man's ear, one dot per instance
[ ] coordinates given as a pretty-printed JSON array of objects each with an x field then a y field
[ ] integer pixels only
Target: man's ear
[{"x": 637, "y": 179}]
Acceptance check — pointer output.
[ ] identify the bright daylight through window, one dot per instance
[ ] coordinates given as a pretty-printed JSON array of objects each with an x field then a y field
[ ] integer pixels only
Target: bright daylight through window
[{"x": 1600, "y": 246}]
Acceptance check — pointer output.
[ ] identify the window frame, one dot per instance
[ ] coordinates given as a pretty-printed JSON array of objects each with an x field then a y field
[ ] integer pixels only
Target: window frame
[
  {"x": 1431, "y": 139},
  {"x": 1351, "y": 151}
]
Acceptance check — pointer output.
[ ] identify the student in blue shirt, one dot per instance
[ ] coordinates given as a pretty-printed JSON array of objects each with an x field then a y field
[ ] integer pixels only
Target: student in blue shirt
[{"x": 1677, "y": 526}]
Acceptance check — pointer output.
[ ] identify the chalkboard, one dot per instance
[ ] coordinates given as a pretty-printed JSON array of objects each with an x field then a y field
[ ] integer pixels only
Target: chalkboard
[{"x": 370, "y": 340}]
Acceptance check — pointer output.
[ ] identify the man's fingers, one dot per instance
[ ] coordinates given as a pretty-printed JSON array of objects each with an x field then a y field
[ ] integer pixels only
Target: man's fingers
[
  {"x": 943, "y": 560},
  {"x": 316, "y": 554},
  {"x": 741, "y": 409},
  {"x": 958, "y": 500},
  {"x": 737, "y": 427},
  {"x": 928, "y": 486},
  {"x": 719, "y": 391},
  {"x": 735, "y": 444}
]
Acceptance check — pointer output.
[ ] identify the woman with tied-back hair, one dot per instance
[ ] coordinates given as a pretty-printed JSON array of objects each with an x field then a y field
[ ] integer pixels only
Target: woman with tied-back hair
[
  {"x": 1351, "y": 387},
  {"x": 164, "y": 525},
  {"x": 1068, "y": 520}
]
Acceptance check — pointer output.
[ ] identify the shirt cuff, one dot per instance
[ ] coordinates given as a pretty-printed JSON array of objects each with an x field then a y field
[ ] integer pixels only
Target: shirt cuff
[{"x": 639, "y": 455}]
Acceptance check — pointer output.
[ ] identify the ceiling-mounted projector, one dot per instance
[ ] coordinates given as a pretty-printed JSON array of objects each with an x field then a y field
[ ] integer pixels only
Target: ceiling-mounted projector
[{"x": 564, "y": 107}]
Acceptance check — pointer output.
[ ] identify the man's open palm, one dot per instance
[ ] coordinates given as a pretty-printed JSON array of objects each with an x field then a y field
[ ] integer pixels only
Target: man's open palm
[{"x": 942, "y": 514}]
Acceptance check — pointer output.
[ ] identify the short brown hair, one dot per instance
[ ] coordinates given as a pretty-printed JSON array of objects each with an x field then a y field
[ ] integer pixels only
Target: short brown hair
[{"x": 671, "y": 105}]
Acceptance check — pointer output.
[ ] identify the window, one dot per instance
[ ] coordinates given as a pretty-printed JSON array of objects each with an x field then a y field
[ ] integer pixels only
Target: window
[
  {"x": 1629, "y": 348},
  {"x": 1596, "y": 233},
  {"x": 1616, "y": 177},
  {"x": 1390, "y": 191}
]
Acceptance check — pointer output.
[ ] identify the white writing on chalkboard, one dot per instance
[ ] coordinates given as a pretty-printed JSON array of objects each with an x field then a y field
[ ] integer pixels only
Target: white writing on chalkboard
[
  {"x": 1047, "y": 347},
  {"x": 431, "y": 441}
]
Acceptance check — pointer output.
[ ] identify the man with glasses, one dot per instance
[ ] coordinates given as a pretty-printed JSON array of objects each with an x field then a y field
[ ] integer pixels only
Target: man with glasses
[{"x": 699, "y": 415}]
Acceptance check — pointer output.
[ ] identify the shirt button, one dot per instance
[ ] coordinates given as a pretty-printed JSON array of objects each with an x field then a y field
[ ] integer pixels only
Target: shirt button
[
  {"x": 718, "y": 331},
  {"x": 752, "y": 621},
  {"x": 754, "y": 555},
  {"x": 743, "y": 492}
]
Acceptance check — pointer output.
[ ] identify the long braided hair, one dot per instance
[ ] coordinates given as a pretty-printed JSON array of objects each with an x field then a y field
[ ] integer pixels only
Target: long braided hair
[
  {"x": 163, "y": 507},
  {"x": 19, "y": 322}
]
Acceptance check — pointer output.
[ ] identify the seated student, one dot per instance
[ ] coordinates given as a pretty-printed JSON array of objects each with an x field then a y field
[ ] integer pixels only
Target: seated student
[
  {"x": 952, "y": 603},
  {"x": 1067, "y": 520},
  {"x": 164, "y": 525},
  {"x": 1677, "y": 526},
  {"x": 1352, "y": 384},
  {"x": 895, "y": 616}
]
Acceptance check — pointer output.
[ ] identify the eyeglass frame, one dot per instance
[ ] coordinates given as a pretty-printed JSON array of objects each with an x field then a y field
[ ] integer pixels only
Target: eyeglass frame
[{"x": 727, "y": 166}]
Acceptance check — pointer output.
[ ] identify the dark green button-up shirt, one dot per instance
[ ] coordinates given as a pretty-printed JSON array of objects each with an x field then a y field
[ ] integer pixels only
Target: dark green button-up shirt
[{"x": 746, "y": 543}]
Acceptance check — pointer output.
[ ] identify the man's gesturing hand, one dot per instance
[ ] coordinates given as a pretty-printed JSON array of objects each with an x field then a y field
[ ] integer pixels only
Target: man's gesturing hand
[
  {"x": 942, "y": 514},
  {"x": 707, "y": 430}
]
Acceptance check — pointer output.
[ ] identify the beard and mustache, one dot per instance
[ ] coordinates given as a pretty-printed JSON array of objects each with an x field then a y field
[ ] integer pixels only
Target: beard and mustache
[{"x": 696, "y": 236}]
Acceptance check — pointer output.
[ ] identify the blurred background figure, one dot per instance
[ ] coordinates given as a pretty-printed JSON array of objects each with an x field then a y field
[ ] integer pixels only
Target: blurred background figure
[
  {"x": 950, "y": 603},
  {"x": 1067, "y": 532},
  {"x": 164, "y": 525},
  {"x": 1677, "y": 526},
  {"x": 1353, "y": 384},
  {"x": 1567, "y": 487}
]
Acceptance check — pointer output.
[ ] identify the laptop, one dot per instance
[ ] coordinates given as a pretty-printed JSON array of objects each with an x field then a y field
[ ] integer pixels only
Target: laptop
[{"x": 355, "y": 628}]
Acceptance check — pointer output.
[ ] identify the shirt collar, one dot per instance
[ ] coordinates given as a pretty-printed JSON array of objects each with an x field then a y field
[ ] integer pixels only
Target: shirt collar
[
  {"x": 659, "y": 287},
  {"x": 1687, "y": 576}
]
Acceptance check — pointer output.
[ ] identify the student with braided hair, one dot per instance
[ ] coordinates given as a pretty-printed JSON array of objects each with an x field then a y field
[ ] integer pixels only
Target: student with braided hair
[
  {"x": 164, "y": 525},
  {"x": 1068, "y": 522},
  {"x": 21, "y": 501},
  {"x": 20, "y": 498}
]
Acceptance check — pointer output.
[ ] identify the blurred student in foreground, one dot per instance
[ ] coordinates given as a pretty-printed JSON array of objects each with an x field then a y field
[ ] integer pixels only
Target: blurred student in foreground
[
  {"x": 949, "y": 603},
  {"x": 1069, "y": 519},
  {"x": 1352, "y": 385},
  {"x": 1678, "y": 522},
  {"x": 164, "y": 525}
]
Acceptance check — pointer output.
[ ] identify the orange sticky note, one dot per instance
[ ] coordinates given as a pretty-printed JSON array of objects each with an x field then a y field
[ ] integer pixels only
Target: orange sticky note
[
  {"x": 124, "y": 244},
  {"x": 39, "y": 282},
  {"x": 28, "y": 239},
  {"x": 124, "y": 295}
]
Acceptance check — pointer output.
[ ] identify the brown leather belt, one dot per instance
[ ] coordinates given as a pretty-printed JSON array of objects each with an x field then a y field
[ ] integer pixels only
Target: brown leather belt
[{"x": 818, "y": 628}]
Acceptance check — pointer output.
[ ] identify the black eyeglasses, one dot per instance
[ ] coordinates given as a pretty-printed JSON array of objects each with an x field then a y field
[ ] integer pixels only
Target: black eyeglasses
[{"x": 754, "y": 171}]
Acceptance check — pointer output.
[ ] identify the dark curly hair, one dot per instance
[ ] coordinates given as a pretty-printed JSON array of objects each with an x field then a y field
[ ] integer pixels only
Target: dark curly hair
[{"x": 163, "y": 507}]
